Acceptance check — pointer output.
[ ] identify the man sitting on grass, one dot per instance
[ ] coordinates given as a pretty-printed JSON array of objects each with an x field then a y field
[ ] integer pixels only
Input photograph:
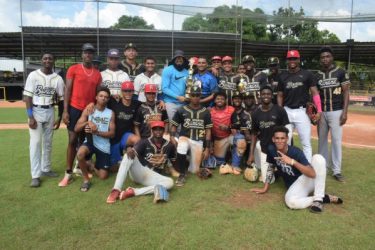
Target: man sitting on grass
[
  {"x": 300, "y": 177},
  {"x": 99, "y": 128}
]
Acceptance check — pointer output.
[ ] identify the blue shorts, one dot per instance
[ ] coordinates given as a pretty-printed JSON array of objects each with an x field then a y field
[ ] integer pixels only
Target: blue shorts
[
  {"x": 102, "y": 159},
  {"x": 118, "y": 148},
  {"x": 74, "y": 115}
]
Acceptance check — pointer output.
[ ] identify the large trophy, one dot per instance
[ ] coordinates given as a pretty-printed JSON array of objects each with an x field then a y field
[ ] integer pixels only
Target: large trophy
[
  {"x": 241, "y": 84},
  {"x": 189, "y": 81}
]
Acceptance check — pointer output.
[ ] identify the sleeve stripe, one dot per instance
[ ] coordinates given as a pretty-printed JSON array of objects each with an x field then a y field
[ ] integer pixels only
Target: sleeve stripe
[{"x": 174, "y": 123}]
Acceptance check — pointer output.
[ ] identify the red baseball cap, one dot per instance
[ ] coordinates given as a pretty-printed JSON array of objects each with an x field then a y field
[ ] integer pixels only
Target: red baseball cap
[
  {"x": 155, "y": 124},
  {"x": 195, "y": 60},
  {"x": 128, "y": 85},
  {"x": 293, "y": 54},
  {"x": 216, "y": 58},
  {"x": 227, "y": 58},
  {"x": 151, "y": 88}
]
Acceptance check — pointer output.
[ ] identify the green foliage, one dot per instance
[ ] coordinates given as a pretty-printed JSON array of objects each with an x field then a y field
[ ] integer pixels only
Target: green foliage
[{"x": 132, "y": 22}]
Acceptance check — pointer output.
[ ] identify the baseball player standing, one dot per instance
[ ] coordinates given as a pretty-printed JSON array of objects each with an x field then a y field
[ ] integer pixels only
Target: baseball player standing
[
  {"x": 293, "y": 94},
  {"x": 195, "y": 135},
  {"x": 40, "y": 89},
  {"x": 208, "y": 82},
  {"x": 225, "y": 83},
  {"x": 333, "y": 85},
  {"x": 129, "y": 64},
  {"x": 82, "y": 81},
  {"x": 146, "y": 161},
  {"x": 273, "y": 72},
  {"x": 300, "y": 177}
]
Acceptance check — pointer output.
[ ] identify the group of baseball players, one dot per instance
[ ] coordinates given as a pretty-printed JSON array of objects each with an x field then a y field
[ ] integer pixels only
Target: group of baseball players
[{"x": 135, "y": 121}]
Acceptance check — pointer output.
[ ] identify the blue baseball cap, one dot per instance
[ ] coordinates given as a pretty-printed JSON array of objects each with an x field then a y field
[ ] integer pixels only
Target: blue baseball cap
[{"x": 113, "y": 53}]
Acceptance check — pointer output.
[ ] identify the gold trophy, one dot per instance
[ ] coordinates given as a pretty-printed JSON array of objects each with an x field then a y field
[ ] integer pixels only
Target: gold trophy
[
  {"x": 241, "y": 84},
  {"x": 189, "y": 81}
]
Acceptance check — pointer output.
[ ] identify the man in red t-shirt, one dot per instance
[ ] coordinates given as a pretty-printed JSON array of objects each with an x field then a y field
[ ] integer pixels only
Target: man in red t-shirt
[
  {"x": 81, "y": 82},
  {"x": 225, "y": 133}
]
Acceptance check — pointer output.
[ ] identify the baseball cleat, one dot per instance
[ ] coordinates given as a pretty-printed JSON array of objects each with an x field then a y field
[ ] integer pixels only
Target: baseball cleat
[
  {"x": 334, "y": 199},
  {"x": 129, "y": 192},
  {"x": 35, "y": 182},
  {"x": 180, "y": 180},
  {"x": 316, "y": 207},
  {"x": 68, "y": 178},
  {"x": 339, "y": 177},
  {"x": 113, "y": 196}
]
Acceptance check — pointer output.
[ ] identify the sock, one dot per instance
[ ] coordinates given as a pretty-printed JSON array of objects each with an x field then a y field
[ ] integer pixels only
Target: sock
[
  {"x": 326, "y": 199},
  {"x": 69, "y": 171},
  {"x": 181, "y": 164}
]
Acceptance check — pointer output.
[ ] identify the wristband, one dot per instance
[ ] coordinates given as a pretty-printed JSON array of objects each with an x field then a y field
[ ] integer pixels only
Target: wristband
[
  {"x": 29, "y": 112},
  {"x": 318, "y": 103}
]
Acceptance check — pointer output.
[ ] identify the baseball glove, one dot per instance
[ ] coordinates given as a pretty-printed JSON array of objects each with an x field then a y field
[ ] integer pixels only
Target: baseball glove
[
  {"x": 251, "y": 173},
  {"x": 157, "y": 160},
  {"x": 204, "y": 173},
  {"x": 311, "y": 112}
]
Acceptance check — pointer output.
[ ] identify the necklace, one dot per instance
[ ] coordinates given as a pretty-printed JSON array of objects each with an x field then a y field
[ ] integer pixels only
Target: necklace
[{"x": 87, "y": 74}]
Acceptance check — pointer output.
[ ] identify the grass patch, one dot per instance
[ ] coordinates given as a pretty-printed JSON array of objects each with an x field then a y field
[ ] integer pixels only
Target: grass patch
[
  {"x": 365, "y": 110},
  {"x": 13, "y": 115},
  {"x": 201, "y": 215}
]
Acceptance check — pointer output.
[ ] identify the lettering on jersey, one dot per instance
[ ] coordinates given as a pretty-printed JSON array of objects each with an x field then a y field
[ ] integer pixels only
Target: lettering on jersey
[
  {"x": 114, "y": 86},
  {"x": 40, "y": 90},
  {"x": 252, "y": 86},
  {"x": 293, "y": 85},
  {"x": 329, "y": 83},
  {"x": 150, "y": 155},
  {"x": 266, "y": 124},
  {"x": 152, "y": 117},
  {"x": 223, "y": 84},
  {"x": 100, "y": 120},
  {"x": 125, "y": 116},
  {"x": 285, "y": 168},
  {"x": 248, "y": 124},
  {"x": 193, "y": 123}
]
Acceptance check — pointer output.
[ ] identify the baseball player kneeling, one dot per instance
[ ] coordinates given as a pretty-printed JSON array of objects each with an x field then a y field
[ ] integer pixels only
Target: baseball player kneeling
[
  {"x": 300, "y": 177},
  {"x": 146, "y": 161}
]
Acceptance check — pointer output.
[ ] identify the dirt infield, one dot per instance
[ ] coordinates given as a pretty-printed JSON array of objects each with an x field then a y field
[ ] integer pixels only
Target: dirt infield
[{"x": 359, "y": 131}]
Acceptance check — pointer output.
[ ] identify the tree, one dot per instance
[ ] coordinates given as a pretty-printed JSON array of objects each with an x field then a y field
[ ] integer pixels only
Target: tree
[{"x": 132, "y": 22}]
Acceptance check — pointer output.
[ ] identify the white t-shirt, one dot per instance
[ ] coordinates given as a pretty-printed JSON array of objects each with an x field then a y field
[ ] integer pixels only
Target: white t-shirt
[
  {"x": 113, "y": 80},
  {"x": 141, "y": 80},
  {"x": 42, "y": 87}
]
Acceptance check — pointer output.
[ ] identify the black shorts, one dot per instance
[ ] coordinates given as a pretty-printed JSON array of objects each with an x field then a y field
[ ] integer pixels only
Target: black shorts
[
  {"x": 74, "y": 115},
  {"x": 103, "y": 160}
]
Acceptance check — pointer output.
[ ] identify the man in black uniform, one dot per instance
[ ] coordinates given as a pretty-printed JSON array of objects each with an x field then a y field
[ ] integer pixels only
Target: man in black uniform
[
  {"x": 333, "y": 86},
  {"x": 273, "y": 71},
  {"x": 225, "y": 83},
  {"x": 146, "y": 163},
  {"x": 293, "y": 94},
  {"x": 148, "y": 112},
  {"x": 129, "y": 64},
  {"x": 243, "y": 115},
  {"x": 195, "y": 135},
  {"x": 264, "y": 119}
]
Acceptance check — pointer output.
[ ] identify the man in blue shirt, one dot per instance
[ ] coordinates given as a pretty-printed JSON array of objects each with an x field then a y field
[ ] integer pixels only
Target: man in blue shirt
[
  {"x": 300, "y": 177},
  {"x": 208, "y": 82},
  {"x": 174, "y": 83}
]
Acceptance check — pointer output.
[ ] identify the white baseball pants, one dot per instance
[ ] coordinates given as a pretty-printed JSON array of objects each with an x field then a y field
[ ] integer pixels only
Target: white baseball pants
[{"x": 196, "y": 152}]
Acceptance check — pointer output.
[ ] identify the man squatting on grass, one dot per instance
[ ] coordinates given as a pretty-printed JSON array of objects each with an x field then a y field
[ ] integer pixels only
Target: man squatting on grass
[{"x": 300, "y": 177}]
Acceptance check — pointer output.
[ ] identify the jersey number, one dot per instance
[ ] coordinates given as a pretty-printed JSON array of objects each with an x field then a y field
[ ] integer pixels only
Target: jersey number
[
  {"x": 337, "y": 91},
  {"x": 201, "y": 133}
]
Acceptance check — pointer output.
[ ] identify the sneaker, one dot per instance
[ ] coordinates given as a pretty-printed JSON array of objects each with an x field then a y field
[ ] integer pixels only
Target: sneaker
[
  {"x": 180, "y": 180},
  {"x": 35, "y": 182},
  {"x": 316, "y": 207},
  {"x": 173, "y": 172},
  {"x": 68, "y": 178},
  {"x": 332, "y": 199},
  {"x": 113, "y": 196},
  {"x": 129, "y": 192},
  {"x": 226, "y": 169},
  {"x": 50, "y": 174},
  {"x": 236, "y": 171},
  {"x": 339, "y": 177}
]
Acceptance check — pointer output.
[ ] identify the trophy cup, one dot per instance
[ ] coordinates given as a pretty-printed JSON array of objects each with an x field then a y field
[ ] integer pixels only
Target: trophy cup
[
  {"x": 241, "y": 84},
  {"x": 189, "y": 81}
]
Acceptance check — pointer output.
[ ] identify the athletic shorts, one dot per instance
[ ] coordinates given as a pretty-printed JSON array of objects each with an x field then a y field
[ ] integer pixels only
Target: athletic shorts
[
  {"x": 74, "y": 115},
  {"x": 118, "y": 148},
  {"x": 102, "y": 159}
]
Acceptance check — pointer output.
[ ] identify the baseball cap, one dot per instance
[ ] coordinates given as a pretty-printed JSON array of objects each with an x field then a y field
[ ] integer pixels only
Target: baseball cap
[
  {"x": 88, "y": 46},
  {"x": 248, "y": 58},
  {"x": 216, "y": 58},
  {"x": 326, "y": 49},
  {"x": 273, "y": 61},
  {"x": 293, "y": 54},
  {"x": 227, "y": 58},
  {"x": 113, "y": 53},
  {"x": 130, "y": 46},
  {"x": 155, "y": 124},
  {"x": 196, "y": 90},
  {"x": 127, "y": 85},
  {"x": 195, "y": 60},
  {"x": 151, "y": 88},
  {"x": 248, "y": 94}
]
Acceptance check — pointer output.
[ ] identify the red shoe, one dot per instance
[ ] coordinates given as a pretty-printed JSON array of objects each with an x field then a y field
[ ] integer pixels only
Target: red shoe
[
  {"x": 113, "y": 196},
  {"x": 68, "y": 178},
  {"x": 129, "y": 192}
]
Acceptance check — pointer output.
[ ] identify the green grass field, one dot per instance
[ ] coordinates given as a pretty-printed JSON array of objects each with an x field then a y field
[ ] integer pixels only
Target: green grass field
[{"x": 220, "y": 213}]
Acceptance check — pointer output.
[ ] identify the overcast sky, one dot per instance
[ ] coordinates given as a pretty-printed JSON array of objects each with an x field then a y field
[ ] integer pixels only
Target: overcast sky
[{"x": 83, "y": 14}]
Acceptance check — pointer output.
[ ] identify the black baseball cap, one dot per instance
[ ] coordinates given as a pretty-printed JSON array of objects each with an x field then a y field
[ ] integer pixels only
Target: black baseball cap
[
  {"x": 248, "y": 58},
  {"x": 195, "y": 90},
  {"x": 131, "y": 46},
  {"x": 88, "y": 46},
  {"x": 113, "y": 53},
  {"x": 326, "y": 49}
]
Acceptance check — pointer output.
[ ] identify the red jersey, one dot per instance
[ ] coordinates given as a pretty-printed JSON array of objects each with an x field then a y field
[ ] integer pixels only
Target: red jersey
[
  {"x": 85, "y": 82},
  {"x": 227, "y": 117}
]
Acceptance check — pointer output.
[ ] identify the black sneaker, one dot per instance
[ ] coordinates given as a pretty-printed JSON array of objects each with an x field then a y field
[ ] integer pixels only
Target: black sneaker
[
  {"x": 50, "y": 174},
  {"x": 316, "y": 207},
  {"x": 35, "y": 182},
  {"x": 180, "y": 181},
  {"x": 333, "y": 199},
  {"x": 339, "y": 177}
]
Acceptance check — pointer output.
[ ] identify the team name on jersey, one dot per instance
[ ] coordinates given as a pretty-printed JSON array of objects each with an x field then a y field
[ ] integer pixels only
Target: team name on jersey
[
  {"x": 152, "y": 117},
  {"x": 223, "y": 84},
  {"x": 112, "y": 84},
  {"x": 124, "y": 116},
  {"x": 266, "y": 124},
  {"x": 100, "y": 120},
  {"x": 252, "y": 86},
  {"x": 40, "y": 90},
  {"x": 329, "y": 83},
  {"x": 193, "y": 123},
  {"x": 150, "y": 155},
  {"x": 285, "y": 168},
  {"x": 293, "y": 85}
]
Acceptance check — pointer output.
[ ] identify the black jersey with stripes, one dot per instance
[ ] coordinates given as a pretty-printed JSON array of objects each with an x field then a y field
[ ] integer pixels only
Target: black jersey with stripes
[
  {"x": 254, "y": 84},
  {"x": 226, "y": 85},
  {"x": 132, "y": 72},
  {"x": 245, "y": 119},
  {"x": 146, "y": 114},
  {"x": 296, "y": 87},
  {"x": 193, "y": 122},
  {"x": 330, "y": 88}
]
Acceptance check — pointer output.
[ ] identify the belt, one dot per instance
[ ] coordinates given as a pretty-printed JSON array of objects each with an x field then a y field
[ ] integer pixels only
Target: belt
[
  {"x": 299, "y": 107},
  {"x": 42, "y": 106}
]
